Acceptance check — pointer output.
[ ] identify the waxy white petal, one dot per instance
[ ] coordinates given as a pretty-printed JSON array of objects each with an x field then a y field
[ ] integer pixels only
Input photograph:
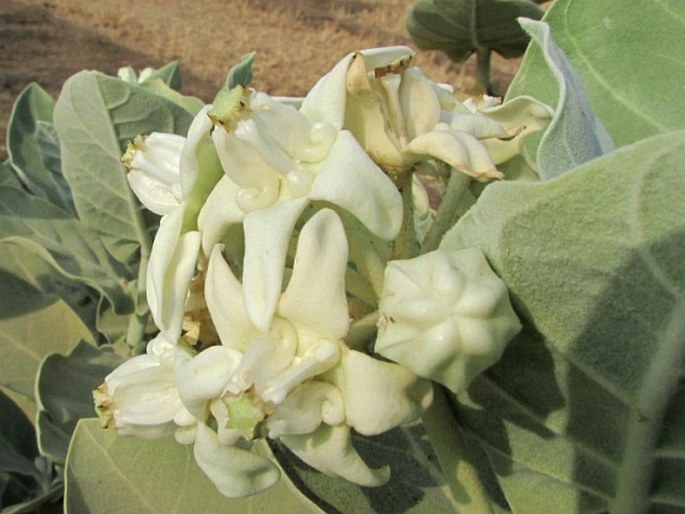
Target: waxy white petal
[
  {"x": 172, "y": 265},
  {"x": 350, "y": 179},
  {"x": 267, "y": 232},
  {"x": 235, "y": 472},
  {"x": 219, "y": 212},
  {"x": 224, "y": 298},
  {"x": 379, "y": 395},
  {"x": 321, "y": 258},
  {"x": 330, "y": 450}
]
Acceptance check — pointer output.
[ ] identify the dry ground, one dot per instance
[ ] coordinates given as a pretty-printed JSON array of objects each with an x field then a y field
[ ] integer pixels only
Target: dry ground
[{"x": 296, "y": 42}]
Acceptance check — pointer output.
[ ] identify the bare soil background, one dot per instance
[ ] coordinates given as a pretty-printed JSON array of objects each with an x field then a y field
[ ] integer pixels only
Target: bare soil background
[{"x": 297, "y": 41}]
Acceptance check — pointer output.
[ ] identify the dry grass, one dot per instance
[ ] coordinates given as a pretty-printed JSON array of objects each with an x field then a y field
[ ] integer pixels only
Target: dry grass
[{"x": 296, "y": 41}]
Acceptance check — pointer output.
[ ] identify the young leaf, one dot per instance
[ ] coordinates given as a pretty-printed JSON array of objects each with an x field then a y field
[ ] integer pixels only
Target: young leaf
[
  {"x": 95, "y": 117},
  {"x": 241, "y": 73},
  {"x": 575, "y": 135},
  {"x": 588, "y": 399},
  {"x": 170, "y": 74},
  {"x": 31, "y": 149},
  {"x": 64, "y": 394},
  {"x": 109, "y": 473},
  {"x": 632, "y": 73}
]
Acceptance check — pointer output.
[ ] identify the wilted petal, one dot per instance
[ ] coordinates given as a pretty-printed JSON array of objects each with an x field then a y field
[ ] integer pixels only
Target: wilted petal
[
  {"x": 172, "y": 265},
  {"x": 460, "y": 150},
  {"x": 350, "y": 179},
  {"x": 330, "y": 450},
  {"x": 267, "y": 233},
  {"x": 235, "y": 472},
  {"x": 420, "y": 103},
  {"x": 379, "y": 395},
  {"x": 321, "y": 258},
  {"x": 224, "y": 297},
  {"x": 478, "y": 125}
]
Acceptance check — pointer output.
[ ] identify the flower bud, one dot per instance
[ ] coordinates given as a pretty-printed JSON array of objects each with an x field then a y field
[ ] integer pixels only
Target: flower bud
[{"x": 445, "y": 315}]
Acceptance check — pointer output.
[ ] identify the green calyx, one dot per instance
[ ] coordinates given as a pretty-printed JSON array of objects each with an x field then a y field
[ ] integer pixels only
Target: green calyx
[
  {"x": 230, "y": 106},
  {"x": 244, "y": 414}
]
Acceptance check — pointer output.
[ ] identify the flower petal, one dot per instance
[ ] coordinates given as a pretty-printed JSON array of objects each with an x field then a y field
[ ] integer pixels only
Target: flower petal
[
  {"x": 235, "y": 472},
  {"x": 224, "y": 298},
  {"x": 305, "y": 408},
  {"x": 202, "y": 378},
  {"x": 267, "y": 233},
  {"x": 219, "y": 212},
  {"x": 379, "y": 395},
  {"x": 350, "y": 179},
  {"x": 326, "y": 100},
  {"x": 321, "y": 258},
  {"x": 153, "y": 194},
  {"x": 419, "y": 102},
  {"x": 460, "y": 150},
  {"x": 172, "y": 265},
  {"x": 329, "y": 449}
]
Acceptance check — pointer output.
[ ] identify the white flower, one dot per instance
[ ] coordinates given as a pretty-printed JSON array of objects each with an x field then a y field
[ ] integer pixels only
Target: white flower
[
  {"x": 276, "y": 162},
  {"x": 395, "y": 113},
  {"x": 140, "y": 397},
  {"x": 190, "y": 171},
  {"x": 445, "y": 315},
  {"x": 297, "y": 381},
  {"x": 153, "y": 164}
]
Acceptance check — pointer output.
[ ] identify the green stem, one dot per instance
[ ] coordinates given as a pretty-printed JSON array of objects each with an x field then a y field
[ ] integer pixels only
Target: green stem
[
  {"x": 448, "y": 442},
  {"x": 449, "y": 206},
  {"x": 406, "y": 245},
  {"x": 138, "y": 320},
  {"x": 483, "y": 69}
]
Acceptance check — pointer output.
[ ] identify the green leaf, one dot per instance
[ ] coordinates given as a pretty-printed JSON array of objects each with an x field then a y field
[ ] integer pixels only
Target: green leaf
[
  {"x": 95, "y": 117},
  {"x": 7, "y": 176},
  {"x": 31, "y": 147},
  {"x": 584, "y": 411},
  {"x": 17, "y": 440},
  {"x": 631, "y": 71},
  {"x": 109, "y": 473},
  {"x": 158, "y": 87},
  {"x": 170, "y": 74},
  {"x": 64, "y": 387},
  {"x": 575, "y": 135},
  {"x": 460, "y": 27},
  {"x": 65, "y": 243},
  {"x": 241, "y": 73},
  {"x": 416, "y": 484},
  {"x": 32, "y": 325}
]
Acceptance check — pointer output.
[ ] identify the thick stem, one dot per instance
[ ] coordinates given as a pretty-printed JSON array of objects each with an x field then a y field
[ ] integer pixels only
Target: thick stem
[
  {"x": 406, "y": 245},
  {"x": 450, "y": 447},
  {"x": 449, "y": 206},
  {"x": 483, "y": 69}
]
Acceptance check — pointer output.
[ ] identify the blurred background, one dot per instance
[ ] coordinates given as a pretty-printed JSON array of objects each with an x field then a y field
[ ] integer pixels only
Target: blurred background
[{"x": 296, "y": 41}]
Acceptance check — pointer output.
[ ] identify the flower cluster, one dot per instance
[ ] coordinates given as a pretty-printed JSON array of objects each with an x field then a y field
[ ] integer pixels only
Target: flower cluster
[{"x": 266, "y": 276}]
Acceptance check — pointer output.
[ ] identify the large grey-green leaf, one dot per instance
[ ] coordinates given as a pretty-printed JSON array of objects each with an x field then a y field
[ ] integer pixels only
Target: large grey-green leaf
[
  {"x": 629, "y": 57},
  {"x": 31, "y": 146},
  {"x": 575, "y": 135},
  {"x": 67, "y": 244},
  {"x": 109, "y": 473},
  {"x": 64, "y": 387},
  {"x": 584, "y": 412},
  {"x": 17, "y": 440},
  {"x": 32, "y": 325},
  {"x": 95, "y": 117},
  {"x": 460, "y": 27}
]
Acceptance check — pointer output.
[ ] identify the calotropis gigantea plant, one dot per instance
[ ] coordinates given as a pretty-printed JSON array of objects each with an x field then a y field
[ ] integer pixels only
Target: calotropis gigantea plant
[
  {"x": 261, "y": 340},
  {"x": 318, "y": 368}
]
